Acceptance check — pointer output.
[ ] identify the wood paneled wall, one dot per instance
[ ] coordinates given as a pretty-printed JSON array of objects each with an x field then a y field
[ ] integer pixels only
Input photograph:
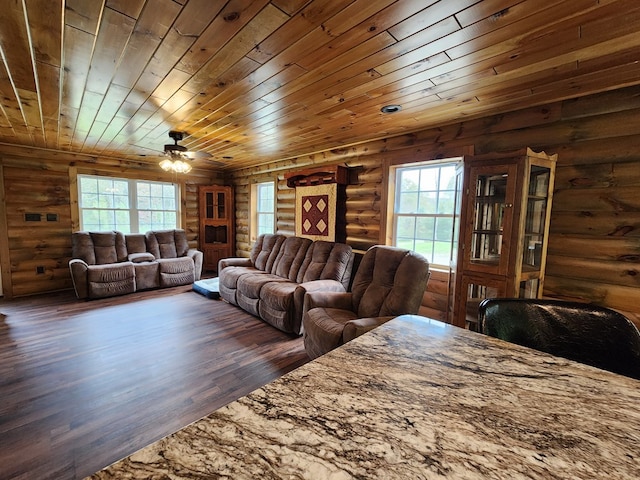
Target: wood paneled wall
[
  {"x": 594, "y": 248},
  {"x": 42, "y": 181}
]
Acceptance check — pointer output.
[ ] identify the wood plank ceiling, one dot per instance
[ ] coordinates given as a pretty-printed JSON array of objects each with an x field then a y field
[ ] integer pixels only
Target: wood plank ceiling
[{"x": 252, "y": 81}]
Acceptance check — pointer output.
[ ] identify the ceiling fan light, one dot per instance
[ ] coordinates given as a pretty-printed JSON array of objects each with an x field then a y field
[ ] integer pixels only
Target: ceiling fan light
[
  {"x": 181, "y": 167},
  {"x": 177, "y": 166},
  {"x": 166, "y": 164}
]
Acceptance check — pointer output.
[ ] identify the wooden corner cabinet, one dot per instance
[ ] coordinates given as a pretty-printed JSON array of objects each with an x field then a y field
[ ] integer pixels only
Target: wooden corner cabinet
[
  {"x": 216, "y": 224},
  {"x": 504, "y": 228}
]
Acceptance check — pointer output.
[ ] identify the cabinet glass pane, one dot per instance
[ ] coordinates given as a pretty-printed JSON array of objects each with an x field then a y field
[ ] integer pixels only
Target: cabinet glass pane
[
  {"x": 529, "y": 288},
  {"x": 535, "y": 218},
  {"x": 209, "y": 204},
  {"x": 221, "y": 205},
  {"x": 486, "y": 237},
  {"x": 475, "y": 294}
]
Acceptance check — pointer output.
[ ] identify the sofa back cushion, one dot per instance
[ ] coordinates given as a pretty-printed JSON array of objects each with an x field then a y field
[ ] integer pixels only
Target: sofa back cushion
[
  {"x": 99, "y": 248},
  {"x": 389, "y": 281},
  {"x": 265, "y": 250},
  {"x": 291, "y": 257},
  {"x": 327, "y": 261},
  {"x": 167, "y": 243},
  {"x": 136, "y": 243}
]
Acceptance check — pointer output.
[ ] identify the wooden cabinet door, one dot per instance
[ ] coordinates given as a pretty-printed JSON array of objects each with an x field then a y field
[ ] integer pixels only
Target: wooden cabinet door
[{"x": 489, "y": 214}]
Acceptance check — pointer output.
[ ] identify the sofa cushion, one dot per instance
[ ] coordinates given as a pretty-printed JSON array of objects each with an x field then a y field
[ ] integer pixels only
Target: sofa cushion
[
  {"x": 111, "y": 279},
  {"x": 292, "y": 255},
  {"x": 228, "y": 281},
  {"x": 327, "y": 261},
  {"x": 167, "y": 243},
  {"x": 176, "y": 271},
  {"x": 99, "y": 248},
  {"x": 109, "y": 247},
  {"x": 141, "y": 257},
  {"x": 265, "y": 250},
  {"x": 277, "y": 306},
  {"x": 82, "y": 247},
  {"x": 136, "y": 243},
  {"x": 248, "y": 292},
  {"x": 147, "y": 275},
  {"x": 230, "y": 275},
  {"x": 250, "y": 285}
]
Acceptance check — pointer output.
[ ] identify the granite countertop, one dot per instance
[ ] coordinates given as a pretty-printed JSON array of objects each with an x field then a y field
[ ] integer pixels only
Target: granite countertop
[{"x": 414, "y": 399}]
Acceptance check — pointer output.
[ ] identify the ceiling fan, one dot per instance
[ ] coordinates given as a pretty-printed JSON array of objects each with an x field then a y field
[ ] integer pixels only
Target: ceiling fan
[{"x": 177, "y": 157}]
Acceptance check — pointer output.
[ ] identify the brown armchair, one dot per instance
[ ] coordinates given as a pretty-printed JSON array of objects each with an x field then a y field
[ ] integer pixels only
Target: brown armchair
[{"x": 390, "y": 281}]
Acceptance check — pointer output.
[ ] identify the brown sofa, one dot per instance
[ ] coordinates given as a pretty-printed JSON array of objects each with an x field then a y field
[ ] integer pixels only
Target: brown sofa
[
  {"x": 105, "y": 264},
  {"x": 272, "y": 282}
]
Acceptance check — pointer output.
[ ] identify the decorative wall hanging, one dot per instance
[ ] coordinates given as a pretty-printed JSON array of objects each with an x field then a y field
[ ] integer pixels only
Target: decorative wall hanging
[
  {"x": 316, "y": 212},
  {"x": 320, "y": 202}
]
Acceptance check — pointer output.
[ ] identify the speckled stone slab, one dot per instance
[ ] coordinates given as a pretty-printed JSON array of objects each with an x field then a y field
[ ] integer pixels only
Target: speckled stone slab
[{"x": 414, "y": 399}]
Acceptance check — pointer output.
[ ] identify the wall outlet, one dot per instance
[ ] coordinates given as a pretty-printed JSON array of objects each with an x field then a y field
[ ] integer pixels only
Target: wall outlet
[{"x": 39, "y": 270}]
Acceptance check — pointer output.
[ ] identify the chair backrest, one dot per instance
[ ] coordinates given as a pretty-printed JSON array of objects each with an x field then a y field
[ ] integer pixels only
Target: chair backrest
[
  {"x": 586, "y": 333},
  {"x": 389, "y": 281},
  {"x": 99, "y": 248}
]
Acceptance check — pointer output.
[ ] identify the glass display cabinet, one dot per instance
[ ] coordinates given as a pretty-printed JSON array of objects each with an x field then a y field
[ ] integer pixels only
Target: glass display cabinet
[
  {"x": 506, "y": 207},
  {"x": 216, "y": 224}
]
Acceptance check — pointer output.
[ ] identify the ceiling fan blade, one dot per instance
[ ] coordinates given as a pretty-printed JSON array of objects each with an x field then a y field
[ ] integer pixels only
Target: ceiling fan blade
[{"x": 197, "y": 155}]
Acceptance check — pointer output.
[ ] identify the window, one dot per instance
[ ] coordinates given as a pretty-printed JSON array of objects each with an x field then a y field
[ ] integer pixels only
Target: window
[
  {"x": 263, "y": 203},
  {"x": 425, "y": 210},
  {"x": 107, "y": 203}
]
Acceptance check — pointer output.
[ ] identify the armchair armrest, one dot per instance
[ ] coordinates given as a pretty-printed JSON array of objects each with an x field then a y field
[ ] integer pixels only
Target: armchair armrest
[
  {"x": 79, "y": 276},
  {"x": 355, "y": 328},
  {"x": 341, "y": 300},
  {"x": 322, "y": 286},
  {"x": 233, "y": 262},
  {"x": 304, "y": 288}
]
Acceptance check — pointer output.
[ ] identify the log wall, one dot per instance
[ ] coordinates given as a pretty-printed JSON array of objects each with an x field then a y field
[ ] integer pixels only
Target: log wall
[
  {"x": 43, "y": 182},
  {"x": 594, "y": 247}
]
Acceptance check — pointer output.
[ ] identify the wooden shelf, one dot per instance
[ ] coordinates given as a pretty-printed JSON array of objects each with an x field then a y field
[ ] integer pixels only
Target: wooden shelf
[{"x": 318, "y": 176}]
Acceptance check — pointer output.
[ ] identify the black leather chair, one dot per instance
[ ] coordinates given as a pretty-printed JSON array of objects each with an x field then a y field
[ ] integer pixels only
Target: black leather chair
[{"x": 586, "y": 333}]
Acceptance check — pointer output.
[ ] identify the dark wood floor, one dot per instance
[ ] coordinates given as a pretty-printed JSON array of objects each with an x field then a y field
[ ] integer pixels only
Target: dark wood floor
[{"x": 85, "y": 383}]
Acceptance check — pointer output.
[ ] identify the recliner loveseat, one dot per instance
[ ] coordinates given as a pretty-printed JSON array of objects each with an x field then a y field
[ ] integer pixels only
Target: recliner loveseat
[
  {"x": 389, "y": 282},
  {"x": 111, "y": 263},
  {"x": 272, "y": 282}
]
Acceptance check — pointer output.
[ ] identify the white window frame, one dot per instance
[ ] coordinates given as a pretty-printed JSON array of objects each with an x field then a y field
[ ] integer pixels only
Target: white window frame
[
  {"x": 442, "y": 261},
  {"x": 258, "y": 212},
  {"x": 171, "y": 205}
]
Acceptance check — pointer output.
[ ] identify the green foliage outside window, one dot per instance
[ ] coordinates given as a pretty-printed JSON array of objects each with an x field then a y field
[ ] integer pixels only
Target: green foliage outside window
[
  {"x": 126, "y": 205},
  {"x": 425, "y": 209}
]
